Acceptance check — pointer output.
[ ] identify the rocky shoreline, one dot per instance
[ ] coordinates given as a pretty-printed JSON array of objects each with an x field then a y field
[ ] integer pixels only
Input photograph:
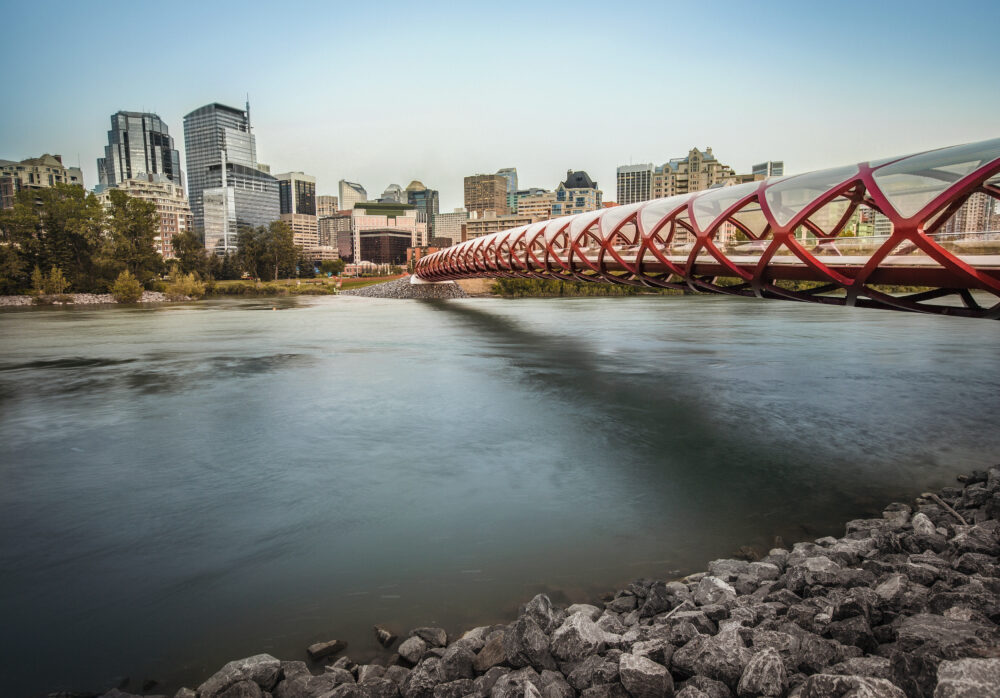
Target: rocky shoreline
[
  {"x": 82, "y": 299},
  {"x": 904, "y": 605},
  {"x": 402, "y": 288}
]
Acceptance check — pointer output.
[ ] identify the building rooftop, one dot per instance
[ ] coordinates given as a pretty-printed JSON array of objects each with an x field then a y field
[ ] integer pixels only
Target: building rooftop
[{"x": 579, "y": 180}]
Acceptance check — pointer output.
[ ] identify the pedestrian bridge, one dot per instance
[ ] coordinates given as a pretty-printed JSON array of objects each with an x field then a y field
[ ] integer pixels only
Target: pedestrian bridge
[{"x": 917, "y": 232}]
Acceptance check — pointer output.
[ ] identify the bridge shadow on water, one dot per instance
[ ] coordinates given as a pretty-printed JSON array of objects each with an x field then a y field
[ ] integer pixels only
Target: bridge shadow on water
[{"x": 662, "y": 436}]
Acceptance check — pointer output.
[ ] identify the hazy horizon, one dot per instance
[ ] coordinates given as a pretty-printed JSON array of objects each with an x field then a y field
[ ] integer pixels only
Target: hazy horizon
[{"x": 392, "y": 94}]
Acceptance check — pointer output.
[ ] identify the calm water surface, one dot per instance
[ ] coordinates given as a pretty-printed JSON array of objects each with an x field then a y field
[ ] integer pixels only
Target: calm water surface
[{"x": 188, "y": 484}]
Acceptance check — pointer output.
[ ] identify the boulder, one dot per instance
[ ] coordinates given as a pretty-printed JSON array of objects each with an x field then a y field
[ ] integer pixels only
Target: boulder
[
  {"x": 380, "y": 688},
  {"x": 554, "y": 685},
  {"x": 525, "y": 644},
  {"x": 944, "y": 637},
  {"x": 540, "y": 610},
  {"x": 491, "y": 654},
  {"x": 922, "y": 525},
  {"x": 644, "y": 678},
  {"x": 713, "y": 590},
  {"x": 263, "y": 669},
  {"x": 593, "y": 611},
  {"x": 434, "y": 637},
  {"x": 422, "y": 679},
  {"x": 454, "y": 689},
  {"x": 577, "y": 638},
  {"x": 484, "y": 684},
  {"x": 968, "y": 678},
  {"x": 835, "y": 686},
  {"x": 523, "y": 683},
  {"x": 370, "y": 671},
  {"x": 384, "y": 636},
  {"x": 456, "y": 663},
  {"x": 319, "y": 650},
  {"x": 764, "y": 675},
  {"x": 592, "y": 670},
  {"x": 722, "y": 657},
  {"x": 707, "y": 687},
  {"x": 412, "y": 649},
  {"x": 872, "y": 667}
]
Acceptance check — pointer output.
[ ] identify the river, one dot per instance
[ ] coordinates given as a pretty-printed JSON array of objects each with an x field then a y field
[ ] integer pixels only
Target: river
[{"x": 191, "y": 483}]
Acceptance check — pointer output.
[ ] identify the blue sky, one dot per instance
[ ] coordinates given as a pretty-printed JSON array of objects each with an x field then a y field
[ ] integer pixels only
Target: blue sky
[{"x": 389, "y": 92}]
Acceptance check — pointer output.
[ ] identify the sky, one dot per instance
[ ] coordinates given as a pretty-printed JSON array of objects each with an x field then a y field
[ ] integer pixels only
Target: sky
[{"x": 389, "y": 92}]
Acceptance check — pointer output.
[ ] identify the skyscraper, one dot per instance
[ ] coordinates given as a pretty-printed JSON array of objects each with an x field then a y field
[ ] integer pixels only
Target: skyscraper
[
  {"x": 635, "y": 183},
  {"x": 138, "y": 145},
  {"x": 222, "y": 173},
  {"x": 486, "y": 193},
  {"x": 297, "y": 193},
  {"x": 351, "y": 193},
  {"x": 771, "y": 168},
  {"x": 426, "y": 200},
  {"x": 326, "y": 205},
  {"x": 510, "y": 174}
]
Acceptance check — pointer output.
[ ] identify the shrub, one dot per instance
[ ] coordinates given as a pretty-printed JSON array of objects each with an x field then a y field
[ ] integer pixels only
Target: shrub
[
  {"x": 126, "y": 288},
  {"x": 185, "y": 285},
  {"x": 56, "y": 282}
]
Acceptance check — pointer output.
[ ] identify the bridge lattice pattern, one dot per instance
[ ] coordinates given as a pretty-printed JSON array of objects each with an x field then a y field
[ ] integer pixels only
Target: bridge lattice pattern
[{"x": 856, "y": 235}]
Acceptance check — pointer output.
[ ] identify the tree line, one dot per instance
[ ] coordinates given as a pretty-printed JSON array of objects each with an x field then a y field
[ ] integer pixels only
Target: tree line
[{"x": 64, "y": 237}]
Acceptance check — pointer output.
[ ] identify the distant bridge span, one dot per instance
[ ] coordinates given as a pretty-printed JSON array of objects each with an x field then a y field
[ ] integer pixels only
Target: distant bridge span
[{"x": 843, "y": 236}]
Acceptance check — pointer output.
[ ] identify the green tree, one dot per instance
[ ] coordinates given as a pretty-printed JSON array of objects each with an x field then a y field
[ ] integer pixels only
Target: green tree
[
  {"x": 126, "y": 288},
  {"x": 12, "y": 270},
  {"x": 57, "y": 226},
  {"x": 332, "y": 266},
  {"x": 133, "y": 225},
  {"x": 191, "y": 254},
  {"x": 267, "y": 252},
  {"x": 55, "y": 282}
]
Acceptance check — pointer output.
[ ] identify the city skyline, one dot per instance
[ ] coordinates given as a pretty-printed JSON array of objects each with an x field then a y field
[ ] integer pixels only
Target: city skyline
[{"x": 770, "y": 85}]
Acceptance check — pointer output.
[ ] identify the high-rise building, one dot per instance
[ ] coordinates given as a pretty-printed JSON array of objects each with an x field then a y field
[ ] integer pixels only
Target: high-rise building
[
  {"x": 351, "y": 193},
  {"x": 490, "y": 223},
  {"x": 138, "y": 144},
  {"x": 771, "y": 168},
  {"x": 331, "y": 226},
  {"x": 425, "y": 200},
  {"x": 326, "y": 205},
  {"x": 401, "y": 218},
  {"x": 699, "y": 170},
  {"x": 510, "y": 174},
  {"x": 297, "y": 198},
  {"x": 223, "y": 174},
  {"x": 449, "y": 225},
  {"x": 635, "y": 183},
  {"x": 38, "y": 173},
  {"x": 537, "y": 205},
  {"x": 975, "y": 216},
  {"x": 173, "y": 212},
  {"x": 393, "y": 194},
  {"x": 486, "y": 193},
  {"x": 577, "y": 194}
]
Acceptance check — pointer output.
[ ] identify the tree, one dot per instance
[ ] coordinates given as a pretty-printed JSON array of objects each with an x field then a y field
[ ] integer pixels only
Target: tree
[
  {"x": 126, "y": 288},
  {"x": 192, "y": 257},
  {"x": 133, "y": 225},
  {"x": 57, "y": 226},
  {"x": 332, "y": 266},
  {"x": 267, "y": 251}
]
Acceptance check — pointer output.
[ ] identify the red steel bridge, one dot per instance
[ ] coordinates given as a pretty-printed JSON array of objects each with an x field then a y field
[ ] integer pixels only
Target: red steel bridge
[{"x": 891, "y": 234}]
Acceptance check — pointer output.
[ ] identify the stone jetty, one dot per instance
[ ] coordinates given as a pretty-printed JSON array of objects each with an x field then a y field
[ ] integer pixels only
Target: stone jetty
[
  {"x": 906, "y": 604},
  {"x": 402, "y": 288}
]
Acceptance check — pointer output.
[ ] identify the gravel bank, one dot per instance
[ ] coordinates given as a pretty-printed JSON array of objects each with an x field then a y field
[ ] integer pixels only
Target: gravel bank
[
  {"x": 402, "y": 288},
  {"x": 81, "y": 299},
  {"x": 904, "y": 605}
]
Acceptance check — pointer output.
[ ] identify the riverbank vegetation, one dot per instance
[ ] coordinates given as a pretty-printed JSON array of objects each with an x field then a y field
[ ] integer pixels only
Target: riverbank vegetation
[{"x": 547, "y": 288}]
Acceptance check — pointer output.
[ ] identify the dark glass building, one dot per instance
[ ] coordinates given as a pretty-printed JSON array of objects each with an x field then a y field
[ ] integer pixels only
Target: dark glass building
[
  {"x": 385, "y": 245},
  {"x": 138, "y": 145}
]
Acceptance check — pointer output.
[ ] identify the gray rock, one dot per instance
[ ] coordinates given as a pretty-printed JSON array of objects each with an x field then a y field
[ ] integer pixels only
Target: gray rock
[
  {"x": 456, "y": 663},
  {"x": 402, "y": 289},
  {"x": 593, "y": 611},
  {"x": 242, "y": 689},
  {"x": 853, "y": 631},
  {"x": 644, "y": 678},
  {"x": 835, "y": 686},
  {"x": 263, "y": 669},
  {"x": 484, "y": 684},
  {"x": 576, "y": 638},
  {"x": 621, "y": 604},
  {"x": 764, "y": 675},
  {"x": 659, "y": 650},
  {"x": 968, "y": 678},
  {"x": 492, "y": 654},
  {"x": 713, "y": 590},
  {"x": 605, "y": 690},
  {"x": 763, "y": 571},
  {"x": 722, "y": 657},
  {"x": 610, "y": 623},
  {"x": 525, "y": 644},
  {"x": 384, "y": 636},
  {"x": 397, "y": 674},
  {"x": 412, "y": 649},
  {"x": 422, "y": 679},
  {"x": 540, "y": 610},
  {"x": 872, "y": 667},
  {"x": 707, "y": 686},
  {"x": 454, "y": 689},
  {"x": 944, "y": 637},
  {"x": 380, "y": 688},
  {"x": 319, "y": 650},
  {"x": 592, "y": 670},
  {"x": 690, "y": 692},
  {"x": 370, "y": 671},
  {"x": 682, "y": 632},
  {"x": 811, "y": 571},
  {"x": 727, "y": 570},
  {"x": 185, "y": 693},
  {"x": 434, "y": 637},
  {"x": 523, "y": 683},
  {"x": 345, "y": 690},
  {"x": 914, "y": 672},
  {"x": 554, "y": 685}
]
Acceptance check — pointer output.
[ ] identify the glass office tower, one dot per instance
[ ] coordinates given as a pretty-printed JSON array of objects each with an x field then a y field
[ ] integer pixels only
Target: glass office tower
[
  {"x": 222, "y": 158},
  {"x": 138, "y": 145}
]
